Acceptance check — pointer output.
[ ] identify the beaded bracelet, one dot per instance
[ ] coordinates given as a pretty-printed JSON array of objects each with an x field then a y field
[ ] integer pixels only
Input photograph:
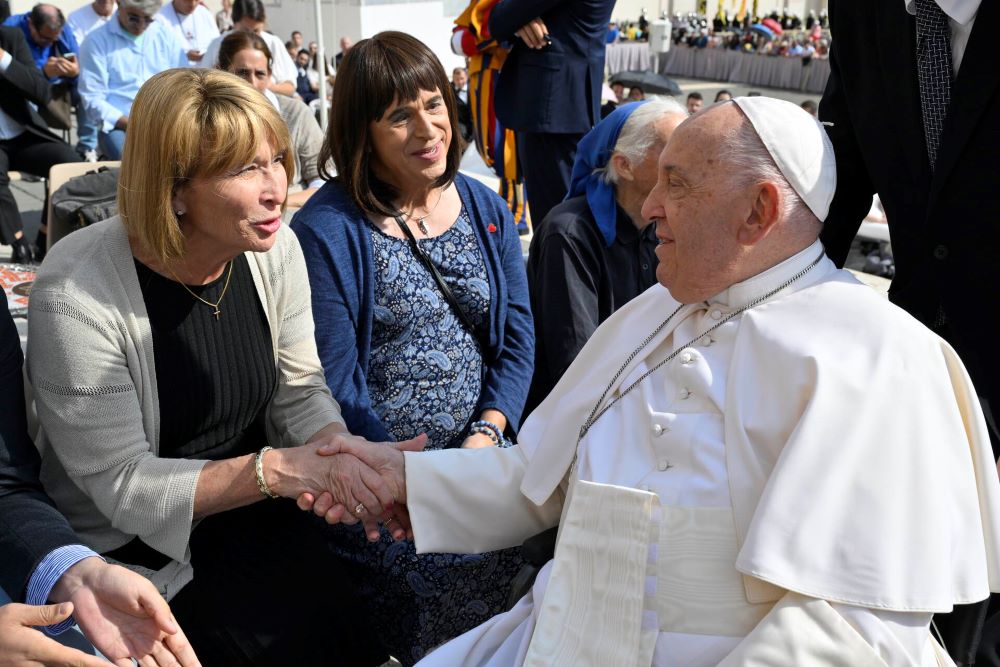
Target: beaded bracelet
[
  {"x": 487, "y": 428},
  {"x": 258, "y": 469}
]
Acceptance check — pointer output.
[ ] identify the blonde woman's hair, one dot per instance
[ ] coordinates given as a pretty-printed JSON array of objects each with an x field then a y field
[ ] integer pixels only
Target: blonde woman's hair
[{"x": 188, "y": 123}]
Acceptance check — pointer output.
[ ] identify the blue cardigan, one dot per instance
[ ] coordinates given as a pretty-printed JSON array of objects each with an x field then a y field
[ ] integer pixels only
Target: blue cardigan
[{"x": 337, "y": 244}]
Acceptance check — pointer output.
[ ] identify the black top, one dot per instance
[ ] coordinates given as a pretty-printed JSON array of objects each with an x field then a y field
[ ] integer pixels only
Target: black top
[
  {"x": 576, "y": 282},
  {"x": 214, "y": 377}
]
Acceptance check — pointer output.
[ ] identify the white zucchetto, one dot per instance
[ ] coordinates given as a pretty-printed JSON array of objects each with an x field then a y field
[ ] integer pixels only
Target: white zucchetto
[{"x": 800, "y": 147}]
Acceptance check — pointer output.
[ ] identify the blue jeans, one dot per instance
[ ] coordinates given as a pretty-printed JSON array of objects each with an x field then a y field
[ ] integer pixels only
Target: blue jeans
[
  {"x": 72, "y": 637},
  {"x": 112, "y": 143},
  {"x": 86, "y": 129}
]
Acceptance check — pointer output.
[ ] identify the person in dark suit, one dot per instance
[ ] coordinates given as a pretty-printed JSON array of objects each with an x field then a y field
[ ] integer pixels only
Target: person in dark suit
[
  {"x": 25, "y": 142},
  {"x": 41, "y": 560},
  {"x": 549, "y": 90},
  {"x": 919, "y": 126}
]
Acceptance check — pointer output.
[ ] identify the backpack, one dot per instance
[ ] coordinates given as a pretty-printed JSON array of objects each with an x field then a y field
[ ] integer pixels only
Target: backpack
[{"x": 86, "y": 199}]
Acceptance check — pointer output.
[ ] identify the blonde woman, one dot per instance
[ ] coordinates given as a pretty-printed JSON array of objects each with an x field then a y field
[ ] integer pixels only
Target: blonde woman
[{"x": 179, "y": 345}]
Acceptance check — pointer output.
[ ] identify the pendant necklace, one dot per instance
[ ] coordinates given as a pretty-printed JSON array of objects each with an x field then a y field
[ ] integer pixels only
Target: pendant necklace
[
  {"x": 217, "y": 312},
  {"x": 421, "y": 221}
]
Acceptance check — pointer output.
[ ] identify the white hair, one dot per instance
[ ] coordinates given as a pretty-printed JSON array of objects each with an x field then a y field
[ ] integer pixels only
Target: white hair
[
  {"x": 752, "y": 164},
  {"x": 637, "y": 135},
  {"x": 147, "y": 7}
]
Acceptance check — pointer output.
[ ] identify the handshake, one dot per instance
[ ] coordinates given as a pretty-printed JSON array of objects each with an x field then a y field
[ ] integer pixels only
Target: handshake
[{"x": 345, "y": 479}]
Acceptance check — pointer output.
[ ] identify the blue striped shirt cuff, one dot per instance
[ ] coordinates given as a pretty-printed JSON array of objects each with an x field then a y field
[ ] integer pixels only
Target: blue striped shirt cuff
[{"x": 48, "y": 572}]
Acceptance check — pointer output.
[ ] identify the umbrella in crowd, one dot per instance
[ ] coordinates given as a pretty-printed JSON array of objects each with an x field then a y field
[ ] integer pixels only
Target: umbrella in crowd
[
  {"x": 762, "y": 29},
  {"x": 650, "y": 82},
  {"x": 772, "y": 25}
]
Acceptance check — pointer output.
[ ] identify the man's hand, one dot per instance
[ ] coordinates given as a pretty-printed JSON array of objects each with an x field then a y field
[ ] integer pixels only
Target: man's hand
[
  {"x": 349, "y": 482},
  {"x": 386, "y": 460},
  {"x": 534, "y": 34},
  {"x": 23, "y": 646},
  {"x": 56, "y": 66},
  {"x": 123, "y": 615},
  {"x": 194, "y": 55},
  {"x": 122, "y": 123}
]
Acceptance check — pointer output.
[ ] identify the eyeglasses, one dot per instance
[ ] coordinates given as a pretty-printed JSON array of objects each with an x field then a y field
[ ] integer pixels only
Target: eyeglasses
[{"x": 138, "y": 19}]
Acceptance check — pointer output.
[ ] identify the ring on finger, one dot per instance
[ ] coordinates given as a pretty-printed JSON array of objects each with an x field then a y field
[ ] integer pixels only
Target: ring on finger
[
  {"x": 360, "y": 509},
  {"x": 386, "y": 522}
]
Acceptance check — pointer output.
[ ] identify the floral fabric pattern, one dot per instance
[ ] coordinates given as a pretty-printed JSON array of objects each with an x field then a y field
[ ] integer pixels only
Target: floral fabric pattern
[{"x": 425, "y": 376}]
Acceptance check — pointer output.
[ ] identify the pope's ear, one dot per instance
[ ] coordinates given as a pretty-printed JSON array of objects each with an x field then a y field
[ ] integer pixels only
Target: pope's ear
[
  {"x": 622, "y": 167},
  {"x": 765, "y": 212}
]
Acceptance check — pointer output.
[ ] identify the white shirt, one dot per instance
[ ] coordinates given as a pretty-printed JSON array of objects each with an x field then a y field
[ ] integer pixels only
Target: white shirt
[
  {"x": 84, "y": 21},
  {"x": 9, "y": 128},
  {"x": 961, "y": 17},
  {"x": 196, "y": 30},
  {"x": 282, "y": 69}
]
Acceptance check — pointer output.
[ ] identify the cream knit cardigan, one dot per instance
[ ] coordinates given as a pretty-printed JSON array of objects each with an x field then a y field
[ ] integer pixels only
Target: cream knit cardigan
[{"x": 90, "y": 361}]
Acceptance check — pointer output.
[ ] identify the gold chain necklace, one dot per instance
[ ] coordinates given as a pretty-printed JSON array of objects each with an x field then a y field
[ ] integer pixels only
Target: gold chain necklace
[{"x": 215, "y": 305}]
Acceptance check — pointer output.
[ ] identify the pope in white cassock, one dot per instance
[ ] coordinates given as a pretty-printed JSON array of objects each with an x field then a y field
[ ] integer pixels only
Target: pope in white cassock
[{"x": 760, "y": 461}]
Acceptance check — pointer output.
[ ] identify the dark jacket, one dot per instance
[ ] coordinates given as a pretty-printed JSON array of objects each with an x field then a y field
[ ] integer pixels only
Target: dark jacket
[
  {"x": 23, "y": 82},
  {"x": 30, "y": 526},
  {"x": 556, "y": 89},
  {"x": 337, "y": 244},
  {"x": 945, "y": 224},
  {"x": 576, "y": 282}
]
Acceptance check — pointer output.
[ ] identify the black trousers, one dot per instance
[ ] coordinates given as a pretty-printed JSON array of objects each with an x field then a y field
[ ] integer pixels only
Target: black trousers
[
  {"x": 547, "y": 163},
  {"x": 268, "y": 591},
  {"x": 33, "y": 153}
]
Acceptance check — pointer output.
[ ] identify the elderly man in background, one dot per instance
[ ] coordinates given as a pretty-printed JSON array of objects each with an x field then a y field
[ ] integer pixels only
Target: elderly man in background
[
  {"x": 765, "y": 463},
  {"x": 192, "y": 23},
  {"x": 595, "y": 251},
  {"x": 117, "y": 59},
  {"x": 249, "y": 16},
  {"x": 55, "y": 50}
]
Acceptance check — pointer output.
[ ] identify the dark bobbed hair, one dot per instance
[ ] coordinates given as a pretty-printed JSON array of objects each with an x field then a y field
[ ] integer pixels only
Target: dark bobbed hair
[
  {"x": 252, "y": 9},
  {"x": 374, "y": 73},
  {"x": 239, "y": 40}
]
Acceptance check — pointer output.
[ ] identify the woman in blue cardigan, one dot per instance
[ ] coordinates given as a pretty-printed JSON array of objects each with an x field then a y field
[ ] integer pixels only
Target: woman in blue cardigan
[{"x": 406, "y": 352}]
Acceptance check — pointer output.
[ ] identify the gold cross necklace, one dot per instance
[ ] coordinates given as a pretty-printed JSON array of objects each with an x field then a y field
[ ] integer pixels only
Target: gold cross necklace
[{"x": 215, "y": 305}]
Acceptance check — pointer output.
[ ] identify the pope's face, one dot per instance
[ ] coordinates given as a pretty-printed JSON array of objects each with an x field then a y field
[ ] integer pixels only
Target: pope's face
[{"x": 697, "y": 212}]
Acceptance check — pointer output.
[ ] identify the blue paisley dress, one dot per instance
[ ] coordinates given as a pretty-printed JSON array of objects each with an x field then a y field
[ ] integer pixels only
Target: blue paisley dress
[{"x": 425, "y": 376}]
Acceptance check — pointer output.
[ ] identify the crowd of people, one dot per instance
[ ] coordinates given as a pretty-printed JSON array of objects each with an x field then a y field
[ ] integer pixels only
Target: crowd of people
[
  {"x": 773, "y": 35},
  {"x": 677, "y": 434},
  {"x": 96, "y": 59}
]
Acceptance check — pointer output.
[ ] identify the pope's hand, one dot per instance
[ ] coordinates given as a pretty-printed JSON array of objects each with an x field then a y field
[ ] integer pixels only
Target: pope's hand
[
  {"x": 23, "y": 646},
  {"x": 123, "y": 615},
  {"x": 386, "y": 459}
]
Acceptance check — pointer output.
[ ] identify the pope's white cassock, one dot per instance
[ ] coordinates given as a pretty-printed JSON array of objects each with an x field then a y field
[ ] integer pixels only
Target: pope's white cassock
[{"x": 803, "y": 485}]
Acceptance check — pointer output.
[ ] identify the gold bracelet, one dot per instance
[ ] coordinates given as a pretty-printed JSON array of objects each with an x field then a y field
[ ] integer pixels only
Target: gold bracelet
[{"x": 258, "y": 469}]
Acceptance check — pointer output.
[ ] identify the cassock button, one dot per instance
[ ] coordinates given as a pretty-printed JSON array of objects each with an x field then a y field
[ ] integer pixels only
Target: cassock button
[
  {"x": 716, "y": 314},
  {"x": 685, "y": 393},
  {"x": 687, "y": 358},
  {"x": 663, "y": 465},
  {"x": 657, "y": 430},
  {"x": 941, "y": 252},
  {"x": 706, "y": 341}
]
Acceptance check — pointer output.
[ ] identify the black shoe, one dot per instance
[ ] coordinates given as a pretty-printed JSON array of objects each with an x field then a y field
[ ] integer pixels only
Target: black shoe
[
  {"x": 41, "y": 246},
  {"x": 21, "y": 252}
]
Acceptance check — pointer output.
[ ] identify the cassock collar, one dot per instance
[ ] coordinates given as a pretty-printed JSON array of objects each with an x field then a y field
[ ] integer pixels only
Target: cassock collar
[{"x": 740, "y": 294}]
